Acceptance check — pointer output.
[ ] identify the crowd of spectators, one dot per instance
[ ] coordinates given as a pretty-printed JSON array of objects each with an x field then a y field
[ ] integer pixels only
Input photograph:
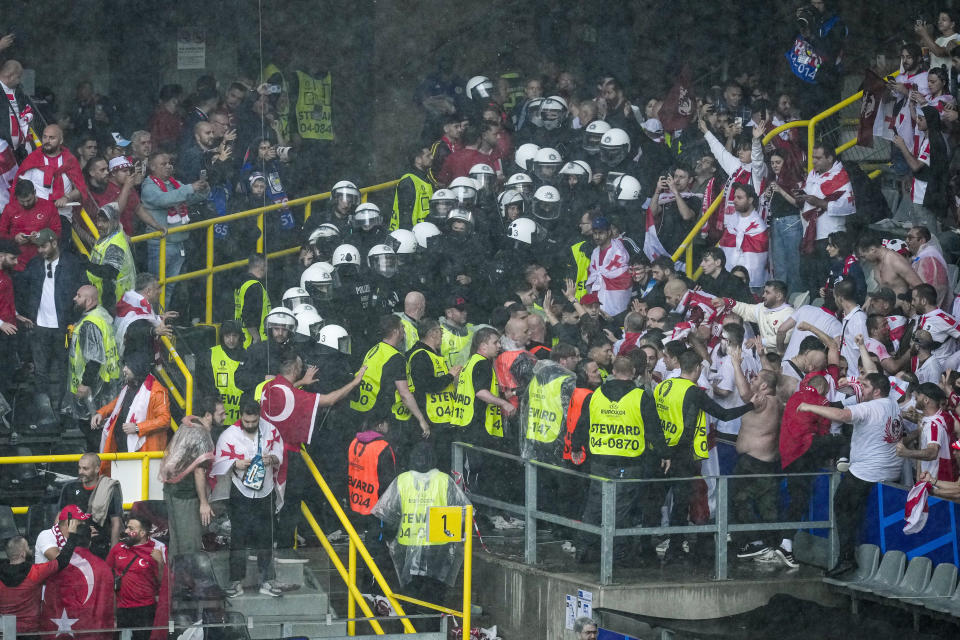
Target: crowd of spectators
[{"x": 517, "y": 290}]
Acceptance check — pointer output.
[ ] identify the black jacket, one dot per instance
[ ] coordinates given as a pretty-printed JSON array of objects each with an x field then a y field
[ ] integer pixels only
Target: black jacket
[{"x": 69, "y": 276}]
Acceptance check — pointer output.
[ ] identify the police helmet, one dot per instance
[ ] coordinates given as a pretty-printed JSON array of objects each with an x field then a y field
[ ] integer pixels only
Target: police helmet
[
  {"x": 546, "y": 163},
  {"x": 520, "y": 182},
  {"x": 546, "y": 203},
  {"x": 382, "y": 259},
  {"x": 484, "y": 176},
  {"x": 464, "y": 191},
  {"x": 479, "y": 87},
  {"x": 423, "y": 231},
  {"x": 309, "y": 323},
  {"x": 553, "y": 112},
  {"x": 317, "y": 280},
  {"x": 614, "y": 147},
  {"x": 345, "y": 192},
  {"x": 592, "y": 134},
  {"x": 280, "y": 318},
  {"x": 523, "y": 156},
  {"x": 335, "y": 337},
  {"x": 294, "y": 296},
  {"x": 367, "y": 217}
]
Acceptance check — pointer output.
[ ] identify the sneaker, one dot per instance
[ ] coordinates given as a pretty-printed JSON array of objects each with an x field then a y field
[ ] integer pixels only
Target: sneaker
[
  {"x": 767, "y": 557},
  {"x": 787, "y": 558},
  {"x": 752, "y": 550},
  {"x": 235, "y": 589},
  {"x": 268, "y": 589},
  {"x": 843, "y": 465}
]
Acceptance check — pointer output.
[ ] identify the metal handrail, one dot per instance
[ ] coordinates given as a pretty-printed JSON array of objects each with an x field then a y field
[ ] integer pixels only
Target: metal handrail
[{"x": 607, "y": 529}]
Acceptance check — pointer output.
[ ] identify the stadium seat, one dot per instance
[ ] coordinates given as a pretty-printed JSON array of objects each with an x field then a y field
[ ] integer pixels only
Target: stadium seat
[
  {"x": 888, "y": 575},
  {"x": 946, "y": 605},
  {"x": 914, "y": 581},
  {"x": 939, "y": 588},
  {"x": 868, "y": 558}
]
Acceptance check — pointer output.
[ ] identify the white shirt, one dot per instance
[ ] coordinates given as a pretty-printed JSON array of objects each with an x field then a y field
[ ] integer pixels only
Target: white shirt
[
  {"x": 45, "y": 540},
  {"x": 815, "y": 316},
  {"x": 937, "y": 61},
  {"x": 943, "y": 329},
  {"x": 853, "y": 324},
  {"x": 768, "y": 320},
  {"x": 833, "y": 180},
  {"x": 873, "y": 447},
  {"x": 930, "y": 371},
  {"x": 933, "y": 429},
  {"x": 47, "y": 313}
]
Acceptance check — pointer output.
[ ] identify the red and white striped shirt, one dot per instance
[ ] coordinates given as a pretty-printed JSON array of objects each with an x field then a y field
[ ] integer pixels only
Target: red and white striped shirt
[{"x": 936, "y": 429}]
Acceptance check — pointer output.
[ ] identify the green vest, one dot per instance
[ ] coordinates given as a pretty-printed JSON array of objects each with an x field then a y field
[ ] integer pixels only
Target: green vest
[
  {"x": 127, "y": 276},
  {"x": 369, "y": 387},
  {"x": 439, "y": 405},
  {"x": 466, "y": 399},
  {"x": 616, "y": 427},
  {"x": 110, "y": 369},
  {"x": 283, "y": 113},
  {"x": 223, "y": 370},
  {"x": 669, "y": 396},
  {"x": 421, "y": 203},
  {"x": 238, "y": 297},
  {"x": 410, "y": 332},
  {"x": 583, "y": 267},
  {"x": 515, "y": 93},
  {"x": 454, "y": 347},
  {"x": 415, "y": 498},
  {"x": 313, "y": 109},
  {"x": 545, "y": 419}
]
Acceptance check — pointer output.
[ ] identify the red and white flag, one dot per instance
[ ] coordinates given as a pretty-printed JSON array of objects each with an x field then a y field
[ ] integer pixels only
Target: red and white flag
[
  {"x": 680, "y": 104},
  {"x": 8, "y": 169},
  {"x": 870, "y": 106},
  {"x": 294, "y": 412},
  {"x": 610, "y": 277},
  {"x": 916, "y": 509},
  {"x": 745, "y": 243},
  {"x": 79, "y": 597},
  {"x": 652, "y": 246}
]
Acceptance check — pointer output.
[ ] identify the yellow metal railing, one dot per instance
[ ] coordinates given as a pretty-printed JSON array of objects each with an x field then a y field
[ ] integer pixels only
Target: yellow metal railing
[
  {"x": 143, "y": 456},
  {"x": 349, "y": 573}
]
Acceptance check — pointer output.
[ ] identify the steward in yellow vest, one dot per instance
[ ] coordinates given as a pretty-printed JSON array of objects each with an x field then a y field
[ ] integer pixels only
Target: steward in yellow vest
[
  {"x": 411, "y": 199},
  {"x": 433, "y": 385},
  {"x": 216, "y": 370},
  {"x": 251, "y": 304},
  {"x": 578, "y": 265},
  {"x": 457, "y": 334},
  {"x": 94, "y": 364},
  {"x": 544, "y": 404},
  {"x": 477, "y": 404},
  {"x": 313, "y": 109},
  {"x": 111, "y": 269}
]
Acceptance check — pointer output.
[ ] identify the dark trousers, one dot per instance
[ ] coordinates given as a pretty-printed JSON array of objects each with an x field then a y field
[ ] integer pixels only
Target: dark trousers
[
  {"x": 753, "y": 499},
  {"x": 628, "y": 504},
  {"x": 300, "y": 487},
  {"x": 49, "y": 362},
  {"x": 9, "y": 363},
  {"x": 814, "y": 268},
  {"x": 849, "y": 505},
  {"x": 250, "y": 520},
  {"x": 680, "y": 467},
  {"x": 822, "y": 448},
  {"x": 132, "y": 617}
]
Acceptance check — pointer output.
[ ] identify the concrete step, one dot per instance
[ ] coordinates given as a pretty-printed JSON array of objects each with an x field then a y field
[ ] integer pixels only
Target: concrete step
[
  {"x": 268, "y": 613},
  {"x": 289, "y": 569}
]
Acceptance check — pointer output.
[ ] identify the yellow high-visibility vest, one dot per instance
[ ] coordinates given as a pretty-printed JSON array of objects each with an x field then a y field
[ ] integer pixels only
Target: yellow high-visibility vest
[
  {"x": 616, "y": 427},
  {"x": 314, "y": 111},
  {"x": 669, "y": 396}
]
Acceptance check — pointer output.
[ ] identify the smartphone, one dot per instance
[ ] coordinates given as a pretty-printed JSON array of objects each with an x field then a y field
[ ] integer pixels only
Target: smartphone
[
  {"x": 203, "y": 174},
  {"x": 738, "y": 121}
]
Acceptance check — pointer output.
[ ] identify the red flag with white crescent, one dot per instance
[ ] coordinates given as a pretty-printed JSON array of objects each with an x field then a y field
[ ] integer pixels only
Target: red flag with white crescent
[
  {"x": 294, "y": 412},
  {"x": 79, "y": 597}
]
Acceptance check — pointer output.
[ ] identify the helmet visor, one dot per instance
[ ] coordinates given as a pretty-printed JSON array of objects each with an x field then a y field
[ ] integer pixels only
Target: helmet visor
[
  {"x": 465, "y": 195},
  {"x": 346, "y": 198},
  {"x": 292, "y": 302},
  {"x": 551, "y": 117},
  {"x": 442, "y": 207},
  {"x": 591, "y": 141},
  {"x": 385, "y": 264},
  {"x": 484, "y": 180},
  {"x": 546, "y": 210},
  {"x": 546, "y": 171},
  {"x": 343, "y": 345},
  {"x": 367, "y": 220},
  {"x": 321, "y": 291},
  {"x": 613, "y": 155}
]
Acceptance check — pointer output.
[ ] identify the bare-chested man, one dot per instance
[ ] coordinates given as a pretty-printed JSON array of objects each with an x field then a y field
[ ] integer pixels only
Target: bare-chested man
[
  {"x": 755, "y": 500},
  {"x": 890, "y": 269}
]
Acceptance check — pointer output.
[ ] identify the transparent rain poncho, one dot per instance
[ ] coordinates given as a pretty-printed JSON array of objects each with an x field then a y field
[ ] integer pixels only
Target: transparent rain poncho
[
  {"x": 190, "y": 446},
  {"x": 543, "y": 412},
  {"x": 404, "y": 505},
  {"x": 91, "y": 349}
]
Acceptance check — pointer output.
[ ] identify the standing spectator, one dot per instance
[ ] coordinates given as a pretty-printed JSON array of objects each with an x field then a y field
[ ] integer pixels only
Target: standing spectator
[
  {"x": 8, "y": 314},
  {"x": 166, "y": 123},
  {"x": 453, "y": 127},
  {"x": 56, "y": 175},
  {"x": 87, "y": 149},
  {"x": 826, "y": 201},
  {"x": 873, "y": 457},
  {"x": 25, "y": 215},
  {"x": 21, "y": 581},
  {"x": 101, "y": 497},
  {"x": 141, "y": 146},
  {"x": 15, "y": 130},
  {"x": 779, "y": 208},
  {"x": 92, "y": 113},
  {"x": 205, "y": 101},
  {"x": 111, "y": 269},
  {"x": 941, "y": 49},
  {"x": 928, "y": 158},
  {"x": 166, "y": 200},
  {"x": 844, "y": 265},
  {"x": 186, "y": 463},
  {"x": 117, "y": 181},
  {"x": 929, "y": 264},
  {"x": 675, "y": 207},
  {"x": 745, "y": 240},
  {"x": 250, "y": 453},
  {"x": 718, "y": 281},
  {"x": 609, "y": 275},
  {"x": 50, "y": 282},
  {"x": 138, "y": 419},
  {"x": 137, "y": 561},
  {"x": 933, "y": 436}
]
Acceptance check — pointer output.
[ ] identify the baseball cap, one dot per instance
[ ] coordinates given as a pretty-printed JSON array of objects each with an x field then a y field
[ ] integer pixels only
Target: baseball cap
[
  {"x": 9, "y": 246},
  {"x": 457, "y": 302},
  {"x": 120, "y": 162},
  {"x": 43, "y": 236},
  {"x": 589, "y": 298},
  {"x": 74, "y": 512},
  {"x": 600, "y": 223},
  {"x": 652, "y": 126}
]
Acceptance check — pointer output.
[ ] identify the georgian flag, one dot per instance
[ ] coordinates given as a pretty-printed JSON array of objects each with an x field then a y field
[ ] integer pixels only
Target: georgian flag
[
  {"x": 79, "y": 597},
  {"x": 745, "y": 243},
  {"x": 915, "y": 511}
]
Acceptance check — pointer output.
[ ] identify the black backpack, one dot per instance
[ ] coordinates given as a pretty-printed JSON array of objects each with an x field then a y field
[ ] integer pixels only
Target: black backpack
[{"x": 870, "y": 203}]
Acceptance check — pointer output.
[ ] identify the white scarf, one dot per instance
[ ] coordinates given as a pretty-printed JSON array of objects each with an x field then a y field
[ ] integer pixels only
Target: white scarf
[{"x": 137, "y": 413}]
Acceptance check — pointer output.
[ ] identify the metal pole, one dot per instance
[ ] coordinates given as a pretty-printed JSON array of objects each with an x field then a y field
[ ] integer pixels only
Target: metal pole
[
  {"x": 467, "y": 567},
  {"x": 529, "y": 506},
  {"x": 208, "y": 315},
  {"x": 720, "y": 570},
  {"x": 145, "y": 478},
  {"x": 162, "y": 272},
  {"x": 352, "y": 574},
  {"x": 608, "y": 522},
  {"x": 458, "y": 461}
]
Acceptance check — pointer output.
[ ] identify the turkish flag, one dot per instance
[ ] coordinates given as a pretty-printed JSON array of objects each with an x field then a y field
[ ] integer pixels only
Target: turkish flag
[
  {"x": 680, "y": 104},
  {"x": 294, "y": 412},
  {"x": 872, "y": 104},
  {"x": 80, "y": 597}
]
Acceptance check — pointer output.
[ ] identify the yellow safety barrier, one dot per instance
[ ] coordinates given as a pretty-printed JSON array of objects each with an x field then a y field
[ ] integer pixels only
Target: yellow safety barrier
[{"x": 143, "y": 456}]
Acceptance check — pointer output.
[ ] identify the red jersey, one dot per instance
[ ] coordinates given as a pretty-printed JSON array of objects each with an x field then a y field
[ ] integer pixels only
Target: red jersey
[
  {"x": 797, "y": 429},
  {"x": 112, "y": 194},
  {"x": 15, "y": 219},
  {"x": 8, "y": 312},
  {"x": 141, "y": 583},
  {"x": 23, "y": 600},
  {"x": 460, "y": 161}
]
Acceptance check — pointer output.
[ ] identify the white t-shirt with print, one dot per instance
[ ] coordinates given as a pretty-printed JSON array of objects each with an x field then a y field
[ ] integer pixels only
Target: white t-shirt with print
[{"x": 873, "y": 447}]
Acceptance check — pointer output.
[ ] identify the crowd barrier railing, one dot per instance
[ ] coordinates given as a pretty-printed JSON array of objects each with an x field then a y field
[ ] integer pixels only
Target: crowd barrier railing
[{"x": 532, "y": 513}]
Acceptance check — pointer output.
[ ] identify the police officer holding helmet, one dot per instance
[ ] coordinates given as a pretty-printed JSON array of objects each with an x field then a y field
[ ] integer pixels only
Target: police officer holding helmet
[{"x": 618, "y": 425}]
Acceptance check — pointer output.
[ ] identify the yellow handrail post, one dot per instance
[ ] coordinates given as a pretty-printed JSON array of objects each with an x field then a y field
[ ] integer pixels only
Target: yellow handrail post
[
  {"x": 689, "y": 259},
  {"x": 162, "y": 272},
  {"x": 338, "y": 565},
  {"x": 307, "y": 210},
  {"x": 467, "y": 568},
  {"x": 145, "y": 478},
  {"x": 208, "y": 314},
  {"x": 354, "y": 536},
  {"x": 351, "y": 603},
  {"x": 260, "y": 237},
  {"x": 184, "y": 371}
]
